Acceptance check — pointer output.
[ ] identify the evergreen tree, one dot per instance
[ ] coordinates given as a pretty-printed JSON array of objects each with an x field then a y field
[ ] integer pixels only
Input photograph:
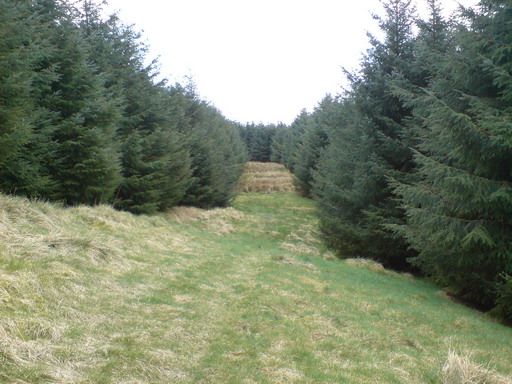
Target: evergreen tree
[
  {"x": 233, "y": 159},
  {"x": 218, "y": 155},
  {"x": 291, "y": 139},
  {"x": 278, "y": 141},
  {"x": 21, "y": 142},
  {"x": 434, "y": 33},
  {"x": 313, "y": 140},
  {"x": 357, "y": 215},
  {"x": 83, "y": 119},
  {"x": 157, "y": 173},
  {"x": 258, "y": 140},
  {"x": 459, "y": 212},
  {"x": 155, "y": 162},
  {"x": 346, "y": 182},
  {"x": 85, "y": 165}
]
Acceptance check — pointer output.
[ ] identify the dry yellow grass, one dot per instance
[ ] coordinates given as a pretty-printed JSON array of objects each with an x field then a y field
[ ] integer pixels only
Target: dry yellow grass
[
  {"x": 219, "y": 220},
  {"x": 377, "y": 267},
  {"x": 459, "y": 369},
  {"x": 266, "y": 178}
]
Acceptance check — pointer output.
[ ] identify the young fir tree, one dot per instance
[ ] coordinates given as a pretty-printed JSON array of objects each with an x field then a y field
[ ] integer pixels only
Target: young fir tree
[
  {"x": 24, "y": 134},
  {"x": 434, "y": 33},
  {"x": 155, "y": 162},
  {"x": 218, "y": 154},
  {"x": 291, "y": 139},
  {"x": 313, "y": 140},
  {"x": 232, "y": 160},
  {"x": 154, "y": 178},
  {"x": 278, "y": 140},
  {"x": 258, "y": 140},
  {"x": 70, "y": 110},
  {"x": 85, "y": 166},
  {"x": 459, "y": 211},
  {"x": 346, "y": 182},
  {"x": 357, "y": 215}
]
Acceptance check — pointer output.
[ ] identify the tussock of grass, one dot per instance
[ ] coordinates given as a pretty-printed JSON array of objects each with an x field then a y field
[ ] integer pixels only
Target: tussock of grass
[
  {"x": 246, "y": 294},
  {"x": 266, "y": 178},
  {"x": 216, "y": 220},
  {"x": 376, "y": 267},
  {"x": 185, "y": 214},
  {"x": 255, "y": 166},
  {"x": 461, "y": 370}
]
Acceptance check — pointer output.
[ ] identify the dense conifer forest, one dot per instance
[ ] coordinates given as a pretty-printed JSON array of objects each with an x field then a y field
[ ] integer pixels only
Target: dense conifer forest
[
  {"x": 410, "y": 166},
  {"x": 83, "y": 119}
]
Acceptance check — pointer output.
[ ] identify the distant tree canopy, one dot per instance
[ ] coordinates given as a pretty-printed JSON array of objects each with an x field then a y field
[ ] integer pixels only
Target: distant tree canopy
[
  {"x": 412, "y": 166},
  {"x": 258, "y": 140},
  {"x": 83, "y": 119}
]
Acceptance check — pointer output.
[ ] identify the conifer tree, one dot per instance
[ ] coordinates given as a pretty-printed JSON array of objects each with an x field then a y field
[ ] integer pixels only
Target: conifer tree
[
  {"x": 291, "y": 140},
  {"x": 163, "y": 162},
  {"x": 218, "y": 155},
  {"x": 258, "y": 140},
  {"x": 459, "y": 211},
  {"x": 434, "y": 33},
  {"x": 155, "y": 162},
  {"x": 346, "y": 182},
  {"x": 84, "y": 120},
  {"x": 86, "y": 165},
  {"x": 357, "y": 215},
  {"x": 157, "y": 172},
  {"x": 313, "y": 140},
  {"x": 278, "y": 140},
  {"x": 21, "y": 142}
]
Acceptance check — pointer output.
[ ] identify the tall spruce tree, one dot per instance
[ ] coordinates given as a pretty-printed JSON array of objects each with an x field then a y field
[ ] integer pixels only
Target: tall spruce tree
[
  {"x": 258, "y": 140},
  {"x": 357, "y": 206},
  {"x": 278, "y": 141},
  {"x": 24, "y": 137},
  {"x": 85, "y": 166},
  {"x": 313, "y": 140},
  {"x": 459, "y": 211},
  {"x": 84, "y": 120},
  {"x": 346, "y": 182},
  {"x": 291, "y": 139},
  {"x": 155, "y": 163},
  {"x": 217, "y": 151}
]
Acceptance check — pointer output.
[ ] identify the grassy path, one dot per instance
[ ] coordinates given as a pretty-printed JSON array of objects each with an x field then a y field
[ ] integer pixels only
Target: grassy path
[{"x": 245, "y": 294}]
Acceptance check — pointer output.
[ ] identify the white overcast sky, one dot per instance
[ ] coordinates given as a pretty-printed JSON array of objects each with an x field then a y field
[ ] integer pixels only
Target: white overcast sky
[{"x": 257, "y": 60}]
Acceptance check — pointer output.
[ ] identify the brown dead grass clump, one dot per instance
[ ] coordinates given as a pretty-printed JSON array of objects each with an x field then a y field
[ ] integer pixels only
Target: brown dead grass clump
[
  {"x": 188, "y": 214},
  {"x": 366, "y": 264},
  {"x": 40, "y": 231},
  {"x": 266, "y": 178},
  {"x": 218, "y": 219},
  {"x": 377, "y": 267},
  {"x": 461, "y": 370},
  {"x": 255, "y": 166}
]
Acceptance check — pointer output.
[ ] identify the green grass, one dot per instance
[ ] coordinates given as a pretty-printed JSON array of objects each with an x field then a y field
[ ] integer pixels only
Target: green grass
[{"x": 246, "y": 294}]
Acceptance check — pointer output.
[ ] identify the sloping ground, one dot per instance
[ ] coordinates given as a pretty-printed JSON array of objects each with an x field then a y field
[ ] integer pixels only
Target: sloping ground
[
  {"x": 266, "y": 178},
  {"x": 239, "y": 295}
]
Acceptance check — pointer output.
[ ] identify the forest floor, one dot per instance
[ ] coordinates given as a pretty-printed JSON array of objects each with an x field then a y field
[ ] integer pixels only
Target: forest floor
[{"x": 246, "y": 294}]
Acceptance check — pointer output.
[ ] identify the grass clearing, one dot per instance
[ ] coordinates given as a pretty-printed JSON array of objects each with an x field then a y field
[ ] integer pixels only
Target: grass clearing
[{"x": 246, "y": 294}]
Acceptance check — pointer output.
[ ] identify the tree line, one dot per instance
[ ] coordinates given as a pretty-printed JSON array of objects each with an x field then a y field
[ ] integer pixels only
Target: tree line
[
  {"x": 84, "y": 119},
  {"x": 412, "y": 165}
]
